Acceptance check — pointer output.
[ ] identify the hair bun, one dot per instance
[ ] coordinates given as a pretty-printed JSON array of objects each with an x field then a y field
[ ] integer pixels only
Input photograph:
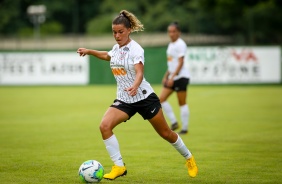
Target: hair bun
[{"x": 176, "y": 24}]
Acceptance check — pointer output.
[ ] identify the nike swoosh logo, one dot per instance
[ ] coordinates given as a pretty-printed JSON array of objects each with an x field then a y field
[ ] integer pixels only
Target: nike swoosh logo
[
  {"x": 153, "y": 110},
  {"x": 83, "y": 169}
]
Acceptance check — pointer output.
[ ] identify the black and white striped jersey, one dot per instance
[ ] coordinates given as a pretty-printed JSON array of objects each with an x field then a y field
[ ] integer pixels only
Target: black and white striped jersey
[{"x": 122, "y": 64}]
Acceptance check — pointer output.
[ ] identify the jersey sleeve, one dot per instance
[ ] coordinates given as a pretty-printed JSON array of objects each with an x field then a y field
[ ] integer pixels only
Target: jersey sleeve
[
  {"x": 110, "y": 53},
  {"x": 138, "y": 55},
  {"x": 181, "y": 49}
]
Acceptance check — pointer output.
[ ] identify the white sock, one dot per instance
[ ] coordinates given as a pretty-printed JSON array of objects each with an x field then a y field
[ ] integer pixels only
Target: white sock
[
  {"x": 184, "y": 113},
  {"x": 169, "y": 112},
  {"x": 181, "y": 148},
  {"x": 112, "y": 147}
]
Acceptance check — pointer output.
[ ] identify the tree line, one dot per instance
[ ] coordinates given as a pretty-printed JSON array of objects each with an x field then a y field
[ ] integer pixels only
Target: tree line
[{"x": 248, "y": 21}]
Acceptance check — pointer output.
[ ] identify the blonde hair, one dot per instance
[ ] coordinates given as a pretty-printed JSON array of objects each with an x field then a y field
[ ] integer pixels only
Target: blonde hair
[{"x": 129, "y": 20}]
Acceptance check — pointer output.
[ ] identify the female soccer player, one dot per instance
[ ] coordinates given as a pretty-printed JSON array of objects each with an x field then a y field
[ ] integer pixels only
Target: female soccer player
[
  {"x": 176, "y": 79},
  {"x": 134, "y": 94}
]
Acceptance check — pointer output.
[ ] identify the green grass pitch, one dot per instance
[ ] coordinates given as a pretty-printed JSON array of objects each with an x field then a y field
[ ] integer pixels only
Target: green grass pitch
[{"x": 47, "y": 132}]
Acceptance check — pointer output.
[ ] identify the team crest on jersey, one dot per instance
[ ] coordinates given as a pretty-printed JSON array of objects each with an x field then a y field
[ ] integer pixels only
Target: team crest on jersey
[{"x": 122, "y": 55}]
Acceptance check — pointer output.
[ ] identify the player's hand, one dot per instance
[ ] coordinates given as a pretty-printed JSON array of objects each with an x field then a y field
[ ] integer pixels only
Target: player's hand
[
  {"x": 170, "y": 82},
  {"x": 164, "y": 81},
  {"x": 82, "y": 51},
  {"x": 132, "y": 91}
]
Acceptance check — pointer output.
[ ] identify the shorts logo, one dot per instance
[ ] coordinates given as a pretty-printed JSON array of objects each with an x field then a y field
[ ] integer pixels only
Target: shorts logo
[
  {"x": 117, "y": 103},
  {"x": 153, "y": 110}
]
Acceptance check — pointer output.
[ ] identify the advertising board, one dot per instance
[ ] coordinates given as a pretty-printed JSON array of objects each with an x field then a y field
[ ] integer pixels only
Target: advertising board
[
  {"x": 222, "y": 65},
  {"x": 47, "y": 68}
]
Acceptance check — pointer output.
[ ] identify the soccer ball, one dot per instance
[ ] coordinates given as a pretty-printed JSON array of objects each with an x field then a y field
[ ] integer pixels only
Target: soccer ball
[{"x": 91, "y": 171}]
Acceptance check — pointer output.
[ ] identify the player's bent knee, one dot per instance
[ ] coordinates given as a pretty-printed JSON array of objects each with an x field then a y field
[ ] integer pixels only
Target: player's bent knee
[
  {"x": 104, "y": 127},
  {"x": 166, "y": 135}
]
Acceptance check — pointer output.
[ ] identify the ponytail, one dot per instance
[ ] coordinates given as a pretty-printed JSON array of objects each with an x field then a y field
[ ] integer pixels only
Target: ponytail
[{"x": 129, "y": 20}]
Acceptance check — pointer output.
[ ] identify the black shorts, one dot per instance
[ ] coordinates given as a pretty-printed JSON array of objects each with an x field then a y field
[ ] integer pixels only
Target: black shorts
[
  {"x": 179, "y": 85},
  {"x": 147, "y": 108}
]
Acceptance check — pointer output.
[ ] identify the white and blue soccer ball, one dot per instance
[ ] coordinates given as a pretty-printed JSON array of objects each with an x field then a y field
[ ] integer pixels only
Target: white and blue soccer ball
[{"x": 91, "y": 171}]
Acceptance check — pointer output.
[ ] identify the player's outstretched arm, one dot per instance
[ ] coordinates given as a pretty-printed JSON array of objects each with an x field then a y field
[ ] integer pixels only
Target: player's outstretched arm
[{"x": 99, "y": 54}]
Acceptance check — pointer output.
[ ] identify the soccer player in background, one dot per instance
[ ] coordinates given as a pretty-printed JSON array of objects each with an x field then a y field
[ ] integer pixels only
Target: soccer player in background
[
  {"x": 134, "y": 94},
  {"x": 176, "y": 79}
]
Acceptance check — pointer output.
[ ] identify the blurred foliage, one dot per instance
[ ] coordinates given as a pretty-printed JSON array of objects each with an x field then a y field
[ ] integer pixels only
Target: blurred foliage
[
  {"x": 104, "y": 23},
  {"x": 249, "y": 21}
]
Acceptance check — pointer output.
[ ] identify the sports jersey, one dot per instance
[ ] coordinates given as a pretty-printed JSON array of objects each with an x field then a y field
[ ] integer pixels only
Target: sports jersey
[
  {"x": 122, "y": 64},
  {"x": 174, "y": 51}
]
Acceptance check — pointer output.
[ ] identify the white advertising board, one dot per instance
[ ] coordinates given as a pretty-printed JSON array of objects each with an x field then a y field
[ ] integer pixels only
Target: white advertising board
[
  {"x": 47, "y": 68},
  {"x": 224, "y": 65}
]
